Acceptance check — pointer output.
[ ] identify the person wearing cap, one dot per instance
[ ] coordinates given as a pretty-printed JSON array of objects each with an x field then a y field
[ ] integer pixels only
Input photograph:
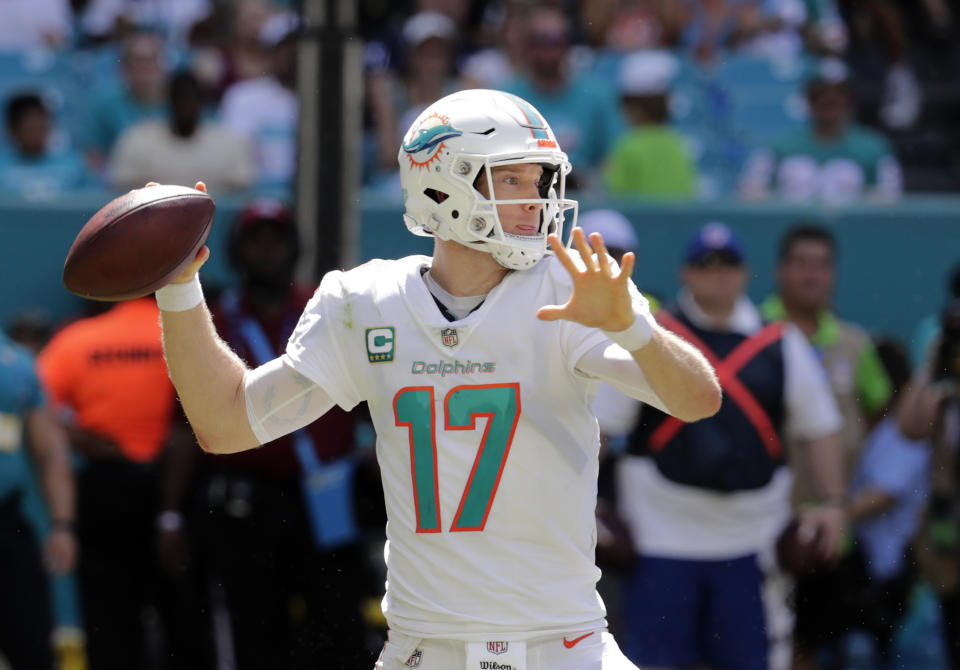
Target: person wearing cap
[
  {"x": 650, "y": 159},
  {"x": 266, "y": 109},
  {"x": 257, "y": 508},
  {"x": 705, "y": 502},
  {"x": 834, "y": 160}
]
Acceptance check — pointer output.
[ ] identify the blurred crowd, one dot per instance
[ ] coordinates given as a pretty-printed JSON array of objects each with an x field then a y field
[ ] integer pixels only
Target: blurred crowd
[
  {"x": 183, "y": 560},
  {"x": 831, "y": 100}
]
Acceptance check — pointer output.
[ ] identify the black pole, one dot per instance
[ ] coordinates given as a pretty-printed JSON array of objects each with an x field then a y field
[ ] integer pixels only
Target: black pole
[{"x": 329, "y": 82}]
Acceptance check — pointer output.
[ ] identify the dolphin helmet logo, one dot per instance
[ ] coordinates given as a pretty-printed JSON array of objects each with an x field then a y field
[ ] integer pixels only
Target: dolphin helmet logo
[{"x": 427, "y": 140}]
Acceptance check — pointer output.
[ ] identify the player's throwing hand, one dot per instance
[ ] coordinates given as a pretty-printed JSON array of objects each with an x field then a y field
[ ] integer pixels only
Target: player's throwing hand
[{"x": 600, "y": 297}]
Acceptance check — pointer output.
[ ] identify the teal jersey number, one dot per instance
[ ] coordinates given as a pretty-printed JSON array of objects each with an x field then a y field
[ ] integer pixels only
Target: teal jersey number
[{"x": 413, "y": 408}]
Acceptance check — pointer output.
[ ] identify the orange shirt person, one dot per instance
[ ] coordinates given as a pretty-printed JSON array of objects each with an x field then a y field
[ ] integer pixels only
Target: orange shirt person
[
  {"x": 110, "y": 372},
  {"x": 108, "y": 377}
]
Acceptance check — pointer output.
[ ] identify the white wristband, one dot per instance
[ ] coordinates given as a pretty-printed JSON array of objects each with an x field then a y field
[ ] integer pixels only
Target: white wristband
[
  {"x": 180, "y": 297},
  {"x": 636, "y": 336}
]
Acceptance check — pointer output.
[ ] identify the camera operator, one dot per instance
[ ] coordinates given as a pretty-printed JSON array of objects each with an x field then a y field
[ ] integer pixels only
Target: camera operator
[{"x": 931, "y": 411}]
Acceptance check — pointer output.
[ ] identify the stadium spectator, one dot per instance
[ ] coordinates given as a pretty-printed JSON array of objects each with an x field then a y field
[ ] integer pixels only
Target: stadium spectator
[
  {"x": 583, "y": 111},
  {"x": 714, "y": 26},
  {"x": 306, "y": 480},
  {"x": 183, "y": 147},
  {"x": 781, "y": 29},
  {"x": 238, "y": 55},
  {"x": 102, "y": 20},
  {"x": 429, "y": 68},
  {"x": 265, "y": 109},
  {"x": 806, "y": 277},
  {"x": 30, "y": 167},
  {"x": 879, "y": 37},
  {"x": 115, "y": 106},
  {"x": 27, "y": 424},
  {"x": 650, "y": 159},
  {"x": 927, "y": 331},
  {"x": 632, "y": 25},
  {"x": 888, "y": 496},
  {"x": 497, "y": 64},
  {"x": 931, "y": 411},
  {"x": 834, "y": 160},
  {"x": 107, "y": 377},
  {"x": 706, "y": 501},
  {"x": 428, "y": 74},
  {"x": 35, "y": 24}
]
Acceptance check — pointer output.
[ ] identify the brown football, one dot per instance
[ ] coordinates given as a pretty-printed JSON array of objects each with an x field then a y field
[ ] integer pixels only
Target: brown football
[
  {"x": 138, "y": 242},
  {"x": 797, "y": 549}
]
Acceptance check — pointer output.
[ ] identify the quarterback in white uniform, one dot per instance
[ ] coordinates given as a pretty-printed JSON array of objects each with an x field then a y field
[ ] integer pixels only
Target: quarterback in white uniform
[{"x": 478, "y": 365}]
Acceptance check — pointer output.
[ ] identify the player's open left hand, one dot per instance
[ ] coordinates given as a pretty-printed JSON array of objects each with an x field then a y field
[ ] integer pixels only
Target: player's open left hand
[
  {"x": 201, "y": 256},
  {"x": 600, "y": 297}
]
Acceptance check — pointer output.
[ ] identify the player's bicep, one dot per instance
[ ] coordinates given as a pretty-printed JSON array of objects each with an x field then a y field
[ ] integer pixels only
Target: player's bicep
[{"x": 280, "y": 400}]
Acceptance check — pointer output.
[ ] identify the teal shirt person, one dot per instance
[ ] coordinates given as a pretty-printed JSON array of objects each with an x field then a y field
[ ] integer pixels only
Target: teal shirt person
[
  {"x": 37, "y": 177},
  {"x": 111, "y": 112},
  {"x": 802, "y": 166},
  {"x": 651, "y": 160},
  {"x": 584, "y": 115},
  {"x": 20, "y": 393}
]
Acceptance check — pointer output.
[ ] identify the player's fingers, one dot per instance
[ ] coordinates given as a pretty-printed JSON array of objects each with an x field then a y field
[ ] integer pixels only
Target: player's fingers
[
  {"x": 194, "y": 267},
  {"x": 152, "y": 183},
  {"x": 550, "y": 312},
  {"x": 603, "y": 256},
  {"x": 561, "y": 253},
  {"x": 586, "y": 253},
  {"x": 200, "y": 186},
  {"x": 627, "y": 264}
]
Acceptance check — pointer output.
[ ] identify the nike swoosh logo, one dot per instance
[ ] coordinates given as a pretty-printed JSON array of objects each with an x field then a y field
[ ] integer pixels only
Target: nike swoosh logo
[{"x": 570, "y": 644}]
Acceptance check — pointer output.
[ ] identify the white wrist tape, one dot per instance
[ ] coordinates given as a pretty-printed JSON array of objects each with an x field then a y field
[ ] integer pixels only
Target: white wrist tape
[
  {"x": 637, "y": 335},
  {"x": 180, "y": 297}
]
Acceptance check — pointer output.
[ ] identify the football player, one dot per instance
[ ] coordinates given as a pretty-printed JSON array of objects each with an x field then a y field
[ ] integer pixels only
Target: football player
[{"x": 478, "y": 365}]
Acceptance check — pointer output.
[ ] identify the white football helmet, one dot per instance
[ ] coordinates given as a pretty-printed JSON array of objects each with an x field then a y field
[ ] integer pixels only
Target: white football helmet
[{"x": 444, "y": 152}]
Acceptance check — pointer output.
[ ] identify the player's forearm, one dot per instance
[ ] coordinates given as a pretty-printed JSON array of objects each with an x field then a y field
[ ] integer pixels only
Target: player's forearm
[
  {"x": 208, "y": 377},
  {"x": 826, "y": 461},
  {"x": 680, "y": 375}
]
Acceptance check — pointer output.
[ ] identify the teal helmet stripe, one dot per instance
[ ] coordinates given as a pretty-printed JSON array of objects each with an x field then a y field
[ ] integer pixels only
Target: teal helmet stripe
[{"x": 534, "y": 120}]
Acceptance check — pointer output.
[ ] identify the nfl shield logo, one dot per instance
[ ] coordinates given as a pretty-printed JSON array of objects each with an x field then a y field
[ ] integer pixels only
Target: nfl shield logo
[
  {"x": 497, "y": 647},
  {"x": 449, "y": 337},
  {"x": 414, "y": 660}
]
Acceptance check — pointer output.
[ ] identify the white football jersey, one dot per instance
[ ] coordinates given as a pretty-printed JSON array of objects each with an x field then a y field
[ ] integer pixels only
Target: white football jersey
[{"x": 486, "y": 442}]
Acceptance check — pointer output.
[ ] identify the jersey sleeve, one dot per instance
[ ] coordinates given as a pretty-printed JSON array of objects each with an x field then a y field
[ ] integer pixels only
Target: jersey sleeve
[
  {"x": 316, "y": 348},
  {"x": 280, "y": 400}
]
